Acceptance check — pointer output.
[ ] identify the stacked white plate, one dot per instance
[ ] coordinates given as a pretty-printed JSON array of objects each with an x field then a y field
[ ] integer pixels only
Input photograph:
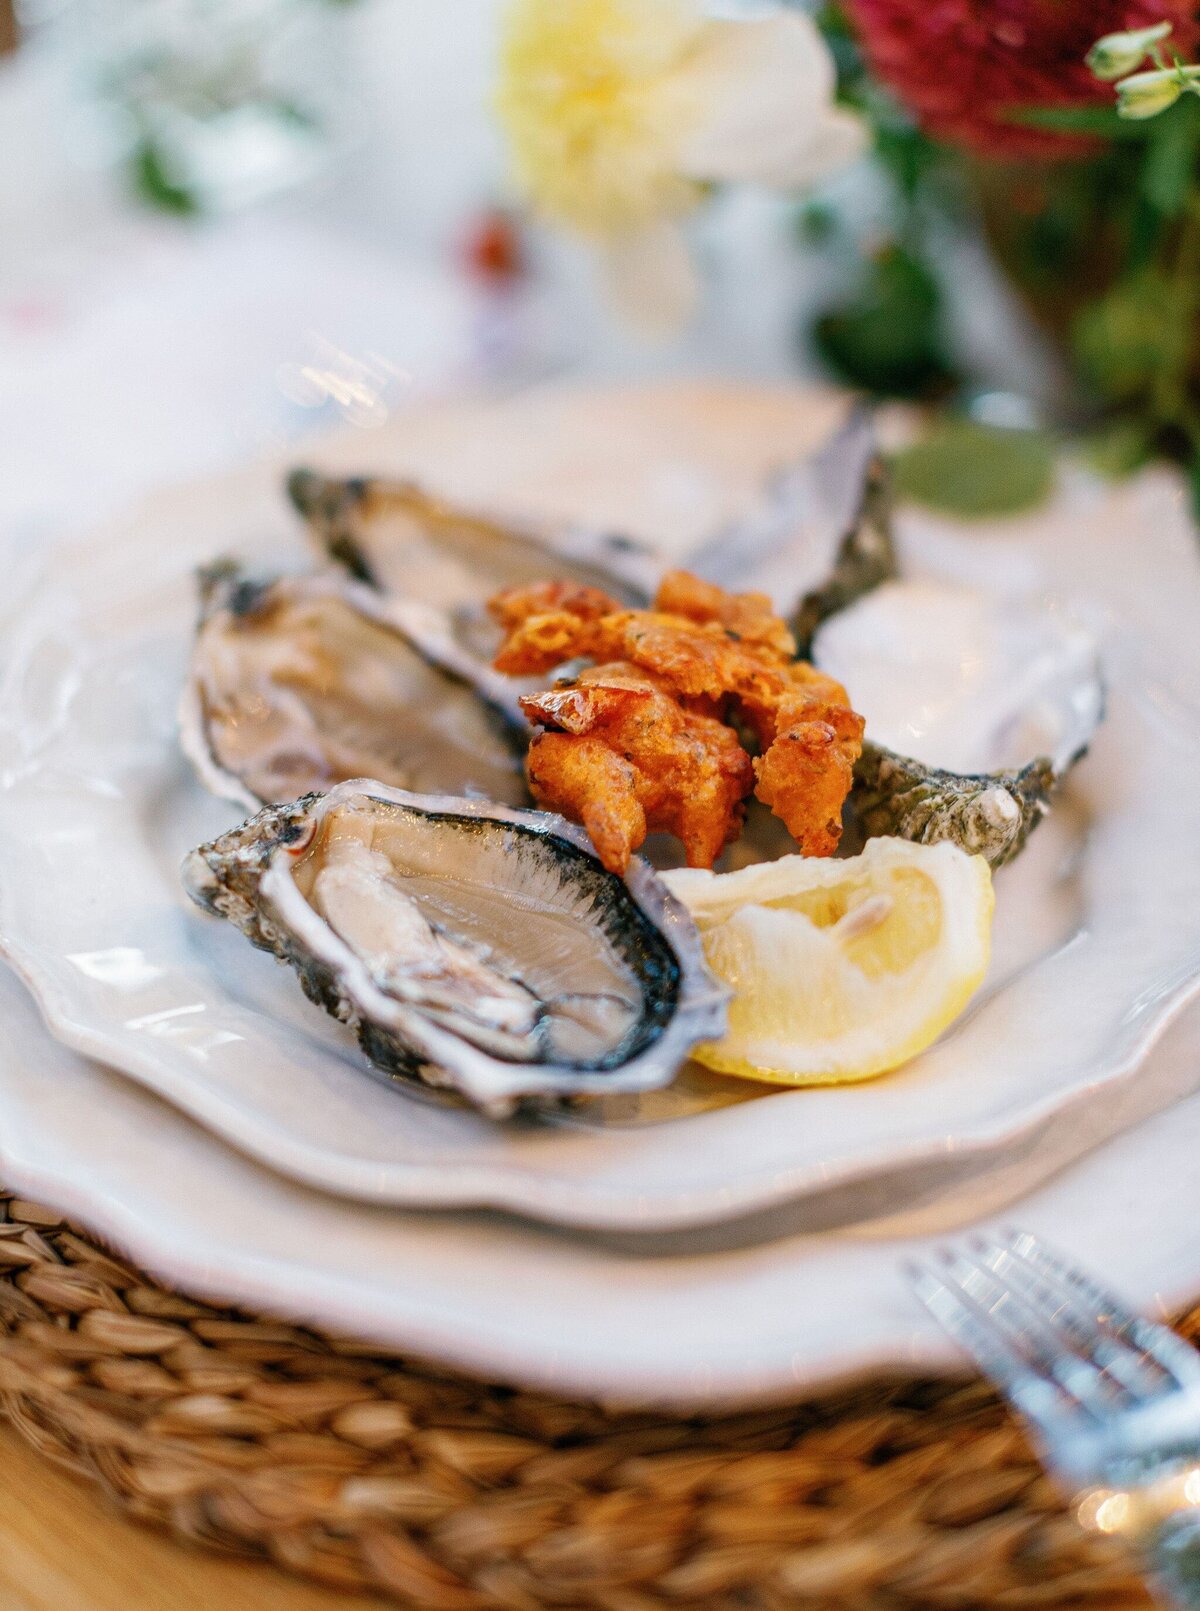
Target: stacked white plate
[{"x": 713, "y": 1241}]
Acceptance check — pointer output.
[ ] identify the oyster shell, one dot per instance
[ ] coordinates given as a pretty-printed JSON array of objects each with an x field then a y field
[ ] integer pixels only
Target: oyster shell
[
  {"x": 976, "y": 710},
  {"x": 822, "y": 538},
  {"x": 300, "y": 682},
  {"x": 408, "y": 544},
  {"x": 989, "y": 815},
  {"x": 864, "y": 560},
  {"x": 468, "y": 945}
]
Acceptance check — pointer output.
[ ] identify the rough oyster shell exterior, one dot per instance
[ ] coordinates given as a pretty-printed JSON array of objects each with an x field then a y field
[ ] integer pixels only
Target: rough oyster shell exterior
[
  {"x": 989, "y": 815},
  {"x": 246, "y": 876}
]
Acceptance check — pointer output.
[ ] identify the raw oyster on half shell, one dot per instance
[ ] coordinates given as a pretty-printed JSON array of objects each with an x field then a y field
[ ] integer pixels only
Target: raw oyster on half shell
[
  {"x": 468, "y": 945},
  {"x": 976, "y": 710},
  {"x": 408, "y": 544},
  {"x": 301, "y": 682},
  {"x": 819, "y": 538}
]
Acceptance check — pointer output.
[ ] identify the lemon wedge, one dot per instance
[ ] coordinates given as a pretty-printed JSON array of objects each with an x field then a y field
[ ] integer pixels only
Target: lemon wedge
[{"x": 841, "y": 970}]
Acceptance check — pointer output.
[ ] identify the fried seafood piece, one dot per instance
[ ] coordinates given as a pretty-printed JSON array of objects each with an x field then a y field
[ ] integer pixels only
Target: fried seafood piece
[
  {"x": 516, "y": 605},
  {"x": 703, "y": 639},
  {"x": 625, "y": 759},
  {"x": 792, "y": 686},
  {"x": 668, "y": 682},
  {"x": 807, "y": 770},
  {"x": 748, "y": 617},
  {"x": 810, "y": 739},
  {"x": 546, "y": 623},
  {"x": 695, "y": 660}
]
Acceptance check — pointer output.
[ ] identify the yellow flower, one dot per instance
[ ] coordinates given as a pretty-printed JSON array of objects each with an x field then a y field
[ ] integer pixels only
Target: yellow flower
[
  {"x": 594, "y": 106},
  {"x": 621, "y": 113}
]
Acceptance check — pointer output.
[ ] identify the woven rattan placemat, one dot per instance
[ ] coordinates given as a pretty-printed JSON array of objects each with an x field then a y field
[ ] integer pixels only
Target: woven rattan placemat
[{"x": 367, "y": 1471}]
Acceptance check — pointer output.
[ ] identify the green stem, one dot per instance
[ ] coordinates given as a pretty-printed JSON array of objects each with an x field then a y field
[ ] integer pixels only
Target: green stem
[{"x": 1170, "y": 399}]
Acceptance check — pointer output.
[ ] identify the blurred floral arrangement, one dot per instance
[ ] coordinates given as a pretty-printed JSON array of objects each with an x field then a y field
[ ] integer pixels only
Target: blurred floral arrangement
[
  {"x": 1088, "y": 200},
  {"x": 1063, "y": 133},
  {"x": 623, "y": 115},
  {"x": 211, "y": 105}
]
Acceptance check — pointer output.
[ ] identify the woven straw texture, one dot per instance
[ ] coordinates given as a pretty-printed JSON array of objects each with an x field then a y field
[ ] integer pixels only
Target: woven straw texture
[{"x": 362, "y": 1471}]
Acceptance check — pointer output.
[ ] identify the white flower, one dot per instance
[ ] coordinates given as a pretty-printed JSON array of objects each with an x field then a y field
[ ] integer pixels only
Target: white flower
[
  {"x": 622, "y": 113},
  {"x": 1147, "y": 94},
  {"x": 1118, "y": 54}
]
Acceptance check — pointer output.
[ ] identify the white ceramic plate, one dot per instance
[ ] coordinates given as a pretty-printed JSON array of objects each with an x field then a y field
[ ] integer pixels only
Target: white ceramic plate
[
  {"x": 691, "y": 1324},
  {"x": 1099, "y": 924}
]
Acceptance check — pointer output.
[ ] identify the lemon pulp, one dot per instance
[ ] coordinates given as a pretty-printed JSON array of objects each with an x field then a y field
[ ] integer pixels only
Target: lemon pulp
[{"x": 841, "y": 970}]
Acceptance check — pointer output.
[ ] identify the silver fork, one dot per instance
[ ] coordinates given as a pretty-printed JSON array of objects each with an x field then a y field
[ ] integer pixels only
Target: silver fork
[{"x": 1113, "y": 1400}]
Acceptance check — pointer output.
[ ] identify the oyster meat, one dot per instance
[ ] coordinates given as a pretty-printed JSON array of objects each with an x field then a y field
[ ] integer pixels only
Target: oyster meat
[
  {"x": 820, "y": 539},
  {"x": 468, "y": 945},
  {"x": 397, "y": 538},
  {"x": 976, "y": 709},
  {"x": 303, "y": 681}
]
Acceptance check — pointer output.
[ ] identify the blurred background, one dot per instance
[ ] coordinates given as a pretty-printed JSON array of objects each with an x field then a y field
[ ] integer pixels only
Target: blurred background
[{"x": 225, "y": 224}]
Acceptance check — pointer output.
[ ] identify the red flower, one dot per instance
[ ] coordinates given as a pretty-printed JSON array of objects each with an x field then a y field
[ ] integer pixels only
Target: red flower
[{"x": 962, "y": 66}]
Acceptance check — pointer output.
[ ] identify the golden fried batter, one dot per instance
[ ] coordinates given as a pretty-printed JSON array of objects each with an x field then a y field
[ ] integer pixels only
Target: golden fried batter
[
  {"x": 516, "y": 604},
  {"x": 805, "y": 773},
  {"x": 694, "y": 659},
  {"x": 546, "y": 623},
  {"x": 793, "y": 685},
  {"x": 625, "y": 759},
  {"x": 640, "y": 742},
  {"x": 749, "y": 617}
]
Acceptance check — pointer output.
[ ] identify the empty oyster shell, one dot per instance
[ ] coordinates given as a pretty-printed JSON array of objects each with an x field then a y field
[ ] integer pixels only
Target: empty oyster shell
[
  {"x": 976, "y": 709},
  {"x": 822, "y": 537},
  {"x": 408, "y": 544},
  {"x": 303, "y": 681},
  {"x": 468, "y": 945}
]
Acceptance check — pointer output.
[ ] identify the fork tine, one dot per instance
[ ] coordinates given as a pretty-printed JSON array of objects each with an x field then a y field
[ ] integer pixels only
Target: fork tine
[
  {"x": 1175, "y": 1357},
  {"x": 1035, "y": 1394},
  {"x": 1033, "y": 1329},
  {"x": 1125, "y": 1368}
]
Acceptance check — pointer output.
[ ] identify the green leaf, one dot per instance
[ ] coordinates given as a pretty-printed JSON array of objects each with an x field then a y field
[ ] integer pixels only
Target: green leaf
[
  {"x": 903, "y": 151},
  {"x": 1120, "y": 447},
  {"x": 1145, "y": 236},
  {"x": 154, "y": 182},
  {"x": 1127, "y": 338},
  {"x": 887, "y": 337},
  {"x": 972, "y": 471},
  {"x": 1102, "y": 121},
  {"x": 817, "y": 223},
  {"x": 1169, "y": 168},
  {"x": 843, "y": 44}
]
